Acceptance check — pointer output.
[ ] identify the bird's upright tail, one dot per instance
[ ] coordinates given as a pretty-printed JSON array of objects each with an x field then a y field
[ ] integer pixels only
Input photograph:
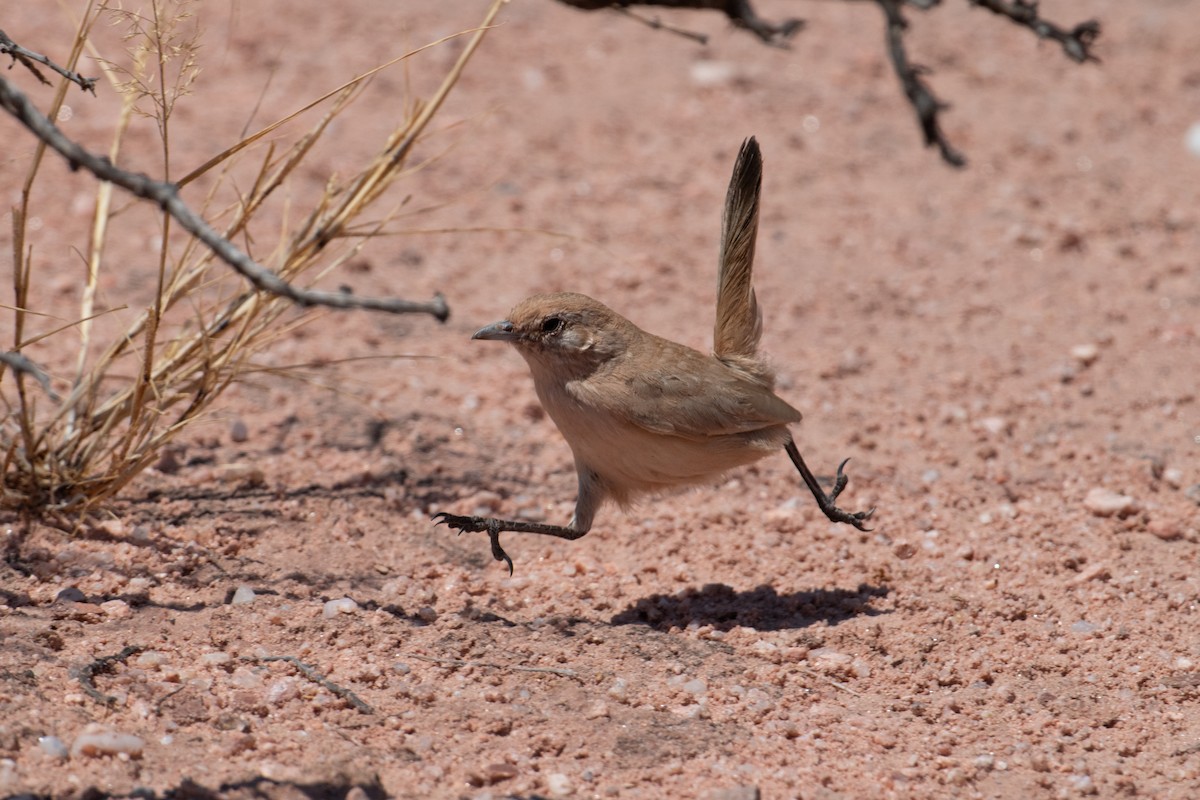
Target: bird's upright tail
[{"x": 739, "y": 321}]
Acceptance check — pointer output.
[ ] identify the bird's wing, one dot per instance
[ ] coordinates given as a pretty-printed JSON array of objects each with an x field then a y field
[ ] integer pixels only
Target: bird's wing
[
  {"x": 739, "y": 320},
  {"x": 697, "y": 402}
]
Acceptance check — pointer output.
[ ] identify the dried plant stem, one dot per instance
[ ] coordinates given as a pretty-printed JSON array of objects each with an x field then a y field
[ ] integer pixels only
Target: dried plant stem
[{"x": 166, "y": 196}]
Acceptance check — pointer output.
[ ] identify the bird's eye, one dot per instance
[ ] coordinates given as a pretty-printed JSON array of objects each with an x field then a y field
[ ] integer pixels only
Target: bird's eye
[{"x": 552, "y": 325}]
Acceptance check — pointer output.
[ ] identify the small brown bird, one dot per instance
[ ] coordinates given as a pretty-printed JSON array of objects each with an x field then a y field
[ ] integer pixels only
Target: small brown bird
[{"x": 643, "y": 414}]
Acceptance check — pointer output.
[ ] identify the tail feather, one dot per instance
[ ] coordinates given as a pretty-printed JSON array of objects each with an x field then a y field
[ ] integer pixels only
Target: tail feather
[{"x": 739, "y": 320}]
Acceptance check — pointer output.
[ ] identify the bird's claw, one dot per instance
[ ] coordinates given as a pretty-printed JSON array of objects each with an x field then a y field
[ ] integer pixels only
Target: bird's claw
[
  {"x": 840, "y": 481},
  {"x": 477, "y": 525},
  {"x": 498, "y": 551},
  {"x": 857, "y": 519},
  {"x": 460, "y": 523}
]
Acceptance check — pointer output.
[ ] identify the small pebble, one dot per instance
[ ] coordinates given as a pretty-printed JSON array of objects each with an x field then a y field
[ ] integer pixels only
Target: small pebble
[
  {"x": 707, "y": 74},
  {"x": 116, "y": 609},
  {"x": 1173, "y": 476},
  {"x": 151, "y": 658},
  {"x": 1166, "y": 529},
  {"x": 246, "y": 678},
  {"x": 885, "y": 739},
  {"x": 1083, "y": 626},
  {"x": 735, "y": 793},
  {"x": 215, "y": 658},
  {"x": 1085, "y": 354},
  {"x": 1107, "y": 503},
  {"x": 1191, "y": 139},
  {"x": 829, "y": 660},
  {"x": 53, "y": 746},
  {"x": 1097, "y": 571},
  {"x": 71, "y": 594},
  {"x": 168, "y": 461},
  {"x": 96, "y": 741},
  {"x": 244, "y": 596},
  {"x": 342, "y": 605},
  {"x": 496, "y": 773},
  {"x": 994, "y": 425},
  {"x": 239, "y": 472},
  {"x": 282, "y": 690},
  {"x": 1083, "y": 784},
  {"x": 238, "y": 431},
  {"x": 559, "y": 785},
  {"x": 427, "y": 614},
  {"x": 598, "y": 710}
]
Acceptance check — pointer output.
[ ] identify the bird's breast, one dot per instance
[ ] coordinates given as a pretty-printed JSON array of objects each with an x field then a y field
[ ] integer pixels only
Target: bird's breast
[{"x": 631, "y": 459}]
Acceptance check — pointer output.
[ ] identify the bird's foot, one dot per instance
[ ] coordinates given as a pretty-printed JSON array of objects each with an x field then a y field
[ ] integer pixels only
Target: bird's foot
[
  {"x": 857, "y": 518},
  {"x": 489, "y": 525}
]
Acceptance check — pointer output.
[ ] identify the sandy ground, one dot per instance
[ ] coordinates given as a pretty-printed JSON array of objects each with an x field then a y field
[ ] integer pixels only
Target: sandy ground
[{"x": 1000, "y": 350}]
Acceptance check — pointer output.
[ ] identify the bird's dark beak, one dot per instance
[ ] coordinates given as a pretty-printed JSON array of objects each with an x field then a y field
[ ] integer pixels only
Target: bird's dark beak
[{"x": 498, "y": 331}]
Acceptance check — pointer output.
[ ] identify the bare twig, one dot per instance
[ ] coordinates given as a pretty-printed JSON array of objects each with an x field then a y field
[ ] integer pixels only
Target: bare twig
[
  {"x": 316, "y": 677},
  {"x": 1076, "y": 42},
  {"x": 920, "y": 96},
  {"x": 739, "y": 12},
  {"x": 835, "y": 684},
  {"x": 158, "y": 706},
  {"x": 166, "y": 196},
  {"x": 20, "y": 363},
  {"x": 458, "y": 662},
  {"x": 89, "y": 672},
  {"x": 26, "y": 57},
  {"x": 657, "y": 24}
]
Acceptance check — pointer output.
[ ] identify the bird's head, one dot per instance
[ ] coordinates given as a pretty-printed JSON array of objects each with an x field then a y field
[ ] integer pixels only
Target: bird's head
[{"x": 566, "y": 332}]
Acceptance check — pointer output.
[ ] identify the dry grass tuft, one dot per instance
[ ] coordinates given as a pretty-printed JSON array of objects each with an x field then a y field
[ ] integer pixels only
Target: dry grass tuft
[{"x": 70, "y": 442}]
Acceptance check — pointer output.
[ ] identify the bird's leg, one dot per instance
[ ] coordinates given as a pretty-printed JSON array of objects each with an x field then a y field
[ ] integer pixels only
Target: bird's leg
[
  {"x": 826, "y": 501},
  {"x": 493, "y": 527},
  {"x": 591, "y": 494}
]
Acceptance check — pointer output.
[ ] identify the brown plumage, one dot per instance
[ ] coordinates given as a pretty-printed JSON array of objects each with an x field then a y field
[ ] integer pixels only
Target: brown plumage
[{"x": 643, "y": 414}]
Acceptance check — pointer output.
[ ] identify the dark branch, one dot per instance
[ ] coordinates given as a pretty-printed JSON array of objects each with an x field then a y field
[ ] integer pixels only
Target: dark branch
[
  {"x": 739, "y": 12},
  {"x": 166, "y": 196},
  {"x": 920, "y": 96},
  {"x": 1076, "y": 43},
  {"x": 659, "y": 25},
  {"x": 27, "y": 57}
]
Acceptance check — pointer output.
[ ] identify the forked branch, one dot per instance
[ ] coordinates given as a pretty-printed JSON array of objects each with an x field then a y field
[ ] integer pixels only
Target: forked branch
[
  {"x": 26, "y": 57},
  {"x": 1076, "y": 42},
  {"x": 920, "y": 96},
  {"x": 166, "y": 196}
]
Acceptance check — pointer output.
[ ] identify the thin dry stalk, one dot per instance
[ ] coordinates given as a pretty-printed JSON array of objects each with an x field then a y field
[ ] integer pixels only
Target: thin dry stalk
[{"x": 197, "y": 335}]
